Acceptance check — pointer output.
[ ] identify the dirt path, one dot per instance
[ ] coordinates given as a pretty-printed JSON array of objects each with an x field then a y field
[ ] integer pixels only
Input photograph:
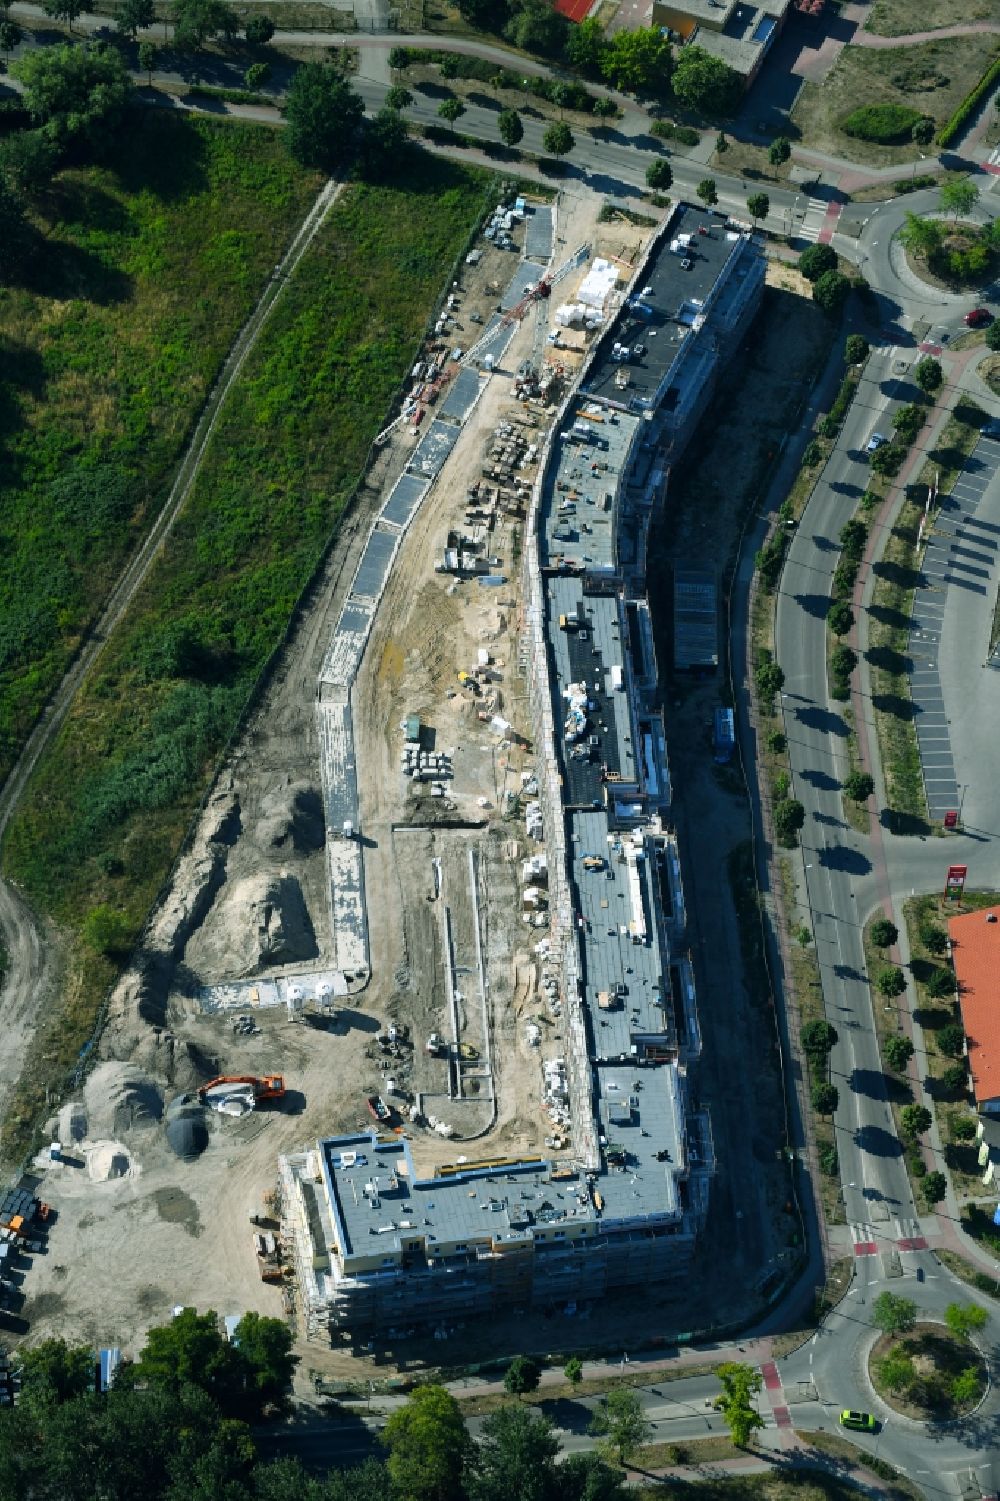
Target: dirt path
[{"x": 28, "y": 975}]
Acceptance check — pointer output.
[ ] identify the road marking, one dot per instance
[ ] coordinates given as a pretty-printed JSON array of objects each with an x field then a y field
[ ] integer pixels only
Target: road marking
[{"x": 864, "y": 1239}]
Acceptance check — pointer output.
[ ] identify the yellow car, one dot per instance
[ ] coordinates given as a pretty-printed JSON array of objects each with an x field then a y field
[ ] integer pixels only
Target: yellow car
[{"x": 863, "y": 1421}]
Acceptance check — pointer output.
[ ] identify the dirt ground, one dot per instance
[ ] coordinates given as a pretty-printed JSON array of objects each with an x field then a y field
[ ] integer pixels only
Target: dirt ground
[{"x": 137, "y": 1229}]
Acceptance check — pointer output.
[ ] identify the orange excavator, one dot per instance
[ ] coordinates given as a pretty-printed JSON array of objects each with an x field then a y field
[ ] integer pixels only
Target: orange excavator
[{"x": 235, "y": 1094}]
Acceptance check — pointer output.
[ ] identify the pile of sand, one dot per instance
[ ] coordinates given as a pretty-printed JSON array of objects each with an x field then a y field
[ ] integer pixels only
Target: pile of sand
[
  {"x": 71, "y": 1123},
  {"x": 119, "y": 1097},
  {"x": 291, "y": 818},
  {"x": 107, "y": 1160}
]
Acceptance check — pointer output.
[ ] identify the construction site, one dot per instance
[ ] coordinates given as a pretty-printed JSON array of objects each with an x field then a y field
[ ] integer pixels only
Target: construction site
[{"x": 414, "y": 1035}]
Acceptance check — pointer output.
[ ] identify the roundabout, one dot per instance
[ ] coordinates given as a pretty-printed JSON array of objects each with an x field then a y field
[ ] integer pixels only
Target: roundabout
[{"x": 928, "y": 1374}]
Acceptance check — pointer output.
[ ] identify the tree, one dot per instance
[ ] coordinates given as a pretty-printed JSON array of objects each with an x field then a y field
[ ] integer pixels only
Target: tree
[
  {"x": 966, "y": 1386},
  {"x": 134, "y": 16},
  {"x": 929, "y": 374},
  {"x": 198, "y": 21},
  {"x": 842, "y": 663},
  {"x": 27, "y": 160},
  {"x": 825, "y": 1098},
  {"x": 840, "y": 617},
  {"x": 955, "y": 1078},
  {"x": 265, "y": 1349},
  {"x": 659, "y": 175},
  {"x": 107, "y": 930},
  {"x": 536, "y": 27},
  {"x": 964, "y": 1128},
  {"x": 586, "y": 1477},
  {"x": 706, "y": 191},
  {"x": 75, "y": 92},
  {"x": 515, "y": 1457},
  {"x": 993, "y": 334},
  {"x": 522, "y": 1375},
  {"x": 816, "y": 260},
  {"x": 704, "y": 84},
  {"x": 940, "y": 983},
  {"x": 769, "y": 679},
  {"x": 11, "y": 36},
  {"x": 856, "y": 350},
  {"x": 933, "y": 937},
  {"x": 451, "y": 110},
  {"x": 951, "y": 1040},
  {"x": 191, "y": 1351},
  {"x": 921, "y": 237},
  {"x": 923, "y": 131},
  {"x": 428, "y": 1447},
  {"x": 259, "y": 30},
  {"x": 958, "y": 197},
  {"x": 914, "y": 1120},
  {"x": 887, "y": 459},
  {"x": 449, "y": 64},
  {"x": 398, "y": 97},
  {"x": 65, "y": 10},
  {"x": 934, "y": 1187},
  {"x": 883, "y": 933},
  {"x": 818, "y": 1036},
  {"x": 740, "y": 1383},
  {"x": 859, "y": 786},
  {"x": 891, "y": 981},
  {"x": 830, "y": 292},
  {"x": 894, "y": 1314},
  {"x": 323, "y": 114},
  {"x": 573, "y": 1370},
  {"x": 637, "y": 60},
  {"x": 383, "y": 145},
  {"x": 962, "y": 1318},
  {"x": 256, "y": 75},
  {"x": 896, "y": 1371},
  {"x": 147, "y": 60},
  {"x": 898, "y": 1051},
  {"x": 558, "y": 138},
  {"x": 54, "y": 1372},
  {"x": 779, "y": 151},
  {"x": 621, "y": 1421},
  {"x": 586, "y": 46},
  {"x": 510, "y": 127},
  {"x": 758, "y": 207},
  {"x": 15, "y": 234},
  {"x": 399, "y": 59}
]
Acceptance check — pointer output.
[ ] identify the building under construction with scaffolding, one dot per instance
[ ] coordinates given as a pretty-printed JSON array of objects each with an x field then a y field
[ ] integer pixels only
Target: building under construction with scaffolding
[{"x": 379, "y": 1249}]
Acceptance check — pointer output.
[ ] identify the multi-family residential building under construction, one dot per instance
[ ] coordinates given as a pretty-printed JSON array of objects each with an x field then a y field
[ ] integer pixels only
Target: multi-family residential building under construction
[{"x": 379, "y": 1248}]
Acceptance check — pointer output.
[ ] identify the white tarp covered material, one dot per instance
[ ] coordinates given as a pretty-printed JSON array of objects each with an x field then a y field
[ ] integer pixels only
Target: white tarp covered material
[{"x": 598, "y": 284}]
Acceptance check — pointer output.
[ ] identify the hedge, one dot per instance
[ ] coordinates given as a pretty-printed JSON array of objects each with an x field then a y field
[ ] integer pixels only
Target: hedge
[
  {"x": 970, "y": 103},
  {"x": 884, "y": 123}
]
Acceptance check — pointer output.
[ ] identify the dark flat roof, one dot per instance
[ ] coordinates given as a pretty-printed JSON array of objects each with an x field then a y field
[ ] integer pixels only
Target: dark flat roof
[{"x": 675, "y": 285}]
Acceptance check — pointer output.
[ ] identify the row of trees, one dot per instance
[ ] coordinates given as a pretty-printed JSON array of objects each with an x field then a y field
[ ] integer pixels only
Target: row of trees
[{"x": 195, "y": 22}]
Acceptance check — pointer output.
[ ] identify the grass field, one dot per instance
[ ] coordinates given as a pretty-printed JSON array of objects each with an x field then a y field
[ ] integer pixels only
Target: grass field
[
  {"x": 145, "y": 271},
  {"x": 109, "y": 803},
  {"x": 899, "y": 18},
  {"x": 932, "y": 77}
]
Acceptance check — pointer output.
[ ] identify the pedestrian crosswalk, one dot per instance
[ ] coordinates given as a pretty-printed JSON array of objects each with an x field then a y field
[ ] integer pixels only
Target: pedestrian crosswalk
[
  {"x": 992, "y": 163},
  {"x": 863, "y": 1236},
  {"x": 813, "y": 220},
  {"x": 909, "y": 1236}
]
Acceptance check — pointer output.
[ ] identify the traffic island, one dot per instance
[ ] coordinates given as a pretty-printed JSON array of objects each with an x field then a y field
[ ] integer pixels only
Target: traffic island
[{"x": 928, "y": 1374}]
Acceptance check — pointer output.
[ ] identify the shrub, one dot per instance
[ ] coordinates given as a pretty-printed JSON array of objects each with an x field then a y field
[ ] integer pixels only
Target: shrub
[
  {"x": 856, "y": 350},
  {"x": 789, "y": 816},
  {"x": 940, "y": 983},
  {"x": 886, "y": 124},
  {"x": 955, "y": 1078},
  {"x": 829, "y": 1160},
  {"x": 883, "y": 933},
  {"x": 970, "y": 104},
  {"x": 777, "y": 743},
  {"x": 842, "y": 663},
  {"x": 840, "y": 617},
  {"x": 782, "y": 782},
  {"x": 964, "y": 1129},
  {"x": 813, "y": 455},
  {"x": 951, "y": 1040},
  {"x": 853, "y": 536},
  {"x": 933, "y": 938},
  {"x": 859, "y": 786}
]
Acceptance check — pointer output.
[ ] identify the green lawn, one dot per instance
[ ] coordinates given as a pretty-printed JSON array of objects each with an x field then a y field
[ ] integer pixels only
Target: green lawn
[
  {"x": 932, "y": 77},
  {"x": 900, "y": 18},
  {"x": 145, "y": 270},
  {"x": 108, "y": 806}
]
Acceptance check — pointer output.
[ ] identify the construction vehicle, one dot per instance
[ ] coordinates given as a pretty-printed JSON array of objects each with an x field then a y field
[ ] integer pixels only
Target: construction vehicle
[
  {"x": 238, "y": 1094},
  {"x": 378, "y": 1109}
]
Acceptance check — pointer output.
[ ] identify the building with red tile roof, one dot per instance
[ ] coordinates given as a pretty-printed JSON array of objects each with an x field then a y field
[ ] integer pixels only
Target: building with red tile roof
[{"x": 975, "y": 951}]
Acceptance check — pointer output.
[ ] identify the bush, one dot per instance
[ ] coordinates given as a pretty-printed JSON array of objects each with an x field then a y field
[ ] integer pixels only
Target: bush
[
  {"x": 970, "y": 104},
  {"x": 782, "y": 782},
  {"x": 887, "y": 124},
  {"x": 816, "y": 259},
  {"x": 840, "y": 617},
  {"x": 825, "y": 1098},
  {"x": 940, "y": 983},
  {"x": 964, "y": 1128},
  {"x": 898, "y": 1051},
  {"x": 951, "y": 1040},
  {"x": 829, "y": 1160},
  {"x": 813, "y": 455},
  {"x": 856, "y": 350},
  {"x": 789, "y": 816},
  {"x": 933, "y": 938},
  {"x": 666, "y": 130},
  {"x": 842, "y": 663},
  {"x": 955, "y": 1078},
  {"x": 883, "y": 933},
  {"x": 934, "y": 1188},
  {"x": 777, "y": 743},
  {"x": 859, "y": 786}
]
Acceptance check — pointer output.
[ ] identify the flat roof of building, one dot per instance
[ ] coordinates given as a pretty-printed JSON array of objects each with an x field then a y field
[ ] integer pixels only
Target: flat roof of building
[
  {"x": 675, "y": 287},
  {"x": 975, "y": 952},
  {"x": 577, "y": 522},
  {"x": 625, "y": 991},
  {"x": 588, "y": 656},
  {"x": 640, "y": 1116}
]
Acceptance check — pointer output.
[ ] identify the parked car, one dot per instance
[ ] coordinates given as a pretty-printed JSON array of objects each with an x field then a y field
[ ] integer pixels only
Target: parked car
[
  {"x": 991, "y": 430},
  {"x": 979, "y": 317},
  {"x": 877, "y": 440},
  {"x": 862, "y": 1421}
]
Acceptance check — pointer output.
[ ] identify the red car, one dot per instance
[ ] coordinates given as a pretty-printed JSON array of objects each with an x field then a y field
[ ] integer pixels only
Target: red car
[{"x": 979, "y": 317}]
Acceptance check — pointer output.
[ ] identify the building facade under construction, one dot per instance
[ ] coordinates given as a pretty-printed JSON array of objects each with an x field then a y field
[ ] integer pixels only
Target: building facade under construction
[{"x": 379, "y": 1249}]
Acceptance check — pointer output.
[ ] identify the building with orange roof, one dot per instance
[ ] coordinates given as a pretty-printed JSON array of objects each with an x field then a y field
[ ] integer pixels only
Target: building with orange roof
[{"x": 975, "y": 952}]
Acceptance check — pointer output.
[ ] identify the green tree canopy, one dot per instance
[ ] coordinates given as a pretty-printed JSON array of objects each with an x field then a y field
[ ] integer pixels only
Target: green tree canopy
[
  {"x": 929, "y": 374},
  {"x": 958, "y": 197},
  {"x": 622, "y": 1423},
  {"x": 856, "y": 349},
  {"x": 898, "y": 1051},
  {"x": 818, "y": 1036},
  {"x": 11, "y": 36},
  {"x": 951, "y": 1040},
  {"x": 15, "y": 234},
  {"x": 638, "y": 60},
  {"x": 516, "y": 1456},
  {"x": 859, "y": 786},
  {"x": 705, "y": 84},
  {"x": 825, "y": 1098},
  {"x": 383, "y": 145},
  {"x": 398, "y": 97},
  {"x": 510, "y": 127},
  {"x": 108, "y": 930},
  {"x": 891, "y": 981},
  {"x": 558, "y": 139},
  {"x": 257, "y": 74},
  {"x": 586, "y": 45},
  {"x": 758, "y": 206},
  {"x": 27, "y": 159},
  {"x": 522, "y": 1376},
  {"x": 840, "y": 617},
  {"x": 323, "y": 115},
  {"x": 191, "y": 1351},
  {"x": 53, "y": 1372},
  {"x": 65, "y": 10},
  {"x": 963, "y": 1318},
  {"x": 770, "y": 679},
  {"x": 659, "y": 175},
  {"x": 830, "y": 292},
  {"x": 914, "y": 1120},
  {"x": 198, "y": 21},
  {"x": 779, "y": 151},
  {"x": 586, "y": 1477},
  {"x": 897, "y": 1371},
  {"x": 536, "y": 27},
  {"x": 573, "y": 1370},
  {"x": 133, "y": 16},
  {"x": 428, "y": 1447},
  {"x": 894, "y": 1314},
  {"x": 75, "y": 92},
  {"x": 706, "y": 191},
  {"x": 265, "y": 1352},
  {"x": 451, "y": 110},
  {"x": 921, "y": 237},
  {"x": 740, "y": 1384},
  {"x": 259, "y": 30},
  {"x": 934, "y": 1187},
  {"x": 147, "y": 56},
  {"x": 815, "y": 260}
]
